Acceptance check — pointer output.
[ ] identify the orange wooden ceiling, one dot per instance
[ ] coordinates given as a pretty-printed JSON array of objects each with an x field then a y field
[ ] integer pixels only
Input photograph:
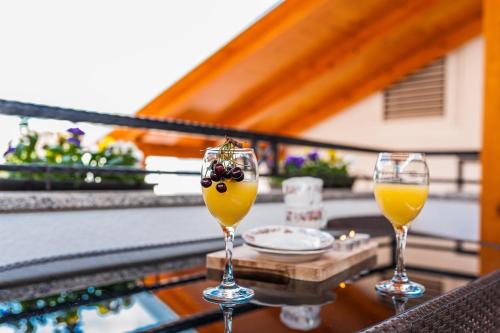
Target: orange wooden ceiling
[{"x": 305, "y": 61}]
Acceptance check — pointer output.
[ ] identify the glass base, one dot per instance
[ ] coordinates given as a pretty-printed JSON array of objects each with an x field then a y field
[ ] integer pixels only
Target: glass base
[
  {"x": 233, "y": 295},
  {"x": 406, "y": 289}
]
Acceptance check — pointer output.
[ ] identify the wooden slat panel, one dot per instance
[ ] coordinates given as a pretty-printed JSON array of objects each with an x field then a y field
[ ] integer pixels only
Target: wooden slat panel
[
  {"x": 402, "y": 100},
  {"x": 429, "y": 72},
  {"x": 427, "y": 80},
  {"x": 416, "y": 113},
  {"x": 428, "y": 88},
  {"x": 420, "y": 94}
]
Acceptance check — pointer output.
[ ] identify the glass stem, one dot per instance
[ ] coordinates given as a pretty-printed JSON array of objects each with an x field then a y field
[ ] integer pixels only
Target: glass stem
[
  {"x": 400, "y": 272},
  {"x": 228, "y": 279},
  {"x": 228, "y": 318},
  {"x": 399, "y": 304}
]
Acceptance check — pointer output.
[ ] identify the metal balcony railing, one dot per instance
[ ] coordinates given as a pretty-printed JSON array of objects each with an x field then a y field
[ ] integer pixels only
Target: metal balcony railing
[{"x": 14, "y": 108}]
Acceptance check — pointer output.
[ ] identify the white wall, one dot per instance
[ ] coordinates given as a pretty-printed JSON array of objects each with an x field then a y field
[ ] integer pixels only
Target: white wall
[{"x": 363, "y": 124}]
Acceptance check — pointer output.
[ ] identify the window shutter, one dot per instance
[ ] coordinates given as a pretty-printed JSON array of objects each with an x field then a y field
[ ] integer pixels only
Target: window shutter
[{"x": 420, "y": 94}]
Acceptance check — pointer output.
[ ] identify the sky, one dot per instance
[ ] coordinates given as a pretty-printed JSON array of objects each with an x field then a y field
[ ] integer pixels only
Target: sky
[{"x": 109, "y": 56}]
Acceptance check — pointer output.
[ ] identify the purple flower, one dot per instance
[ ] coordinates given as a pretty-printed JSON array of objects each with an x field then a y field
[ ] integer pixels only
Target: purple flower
[
  {"x": 74, "y": 141},
  {"x": 75, "y": 131},
  {"x": 296, "y": 161},
  {"x": 10, "y": 150},
  {"x": 314, "y": 156}
]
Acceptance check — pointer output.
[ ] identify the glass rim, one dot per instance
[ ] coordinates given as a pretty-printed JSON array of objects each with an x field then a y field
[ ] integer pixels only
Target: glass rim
[
  {"x": 235, "y": 149},
  {"x": 382, "y": 181},
  {"x": 400, "y": 153},
  {"x": 402, "y": 173}
]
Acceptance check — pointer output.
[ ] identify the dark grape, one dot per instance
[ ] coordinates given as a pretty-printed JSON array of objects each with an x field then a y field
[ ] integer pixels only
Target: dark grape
[
  {"x": 206, "y": 182},
  {"x": 221, "y": 187},
  {"x": 215, "y": 177},
  {"x": 236, "y": 173},
  {"x": 228, "y": 173},
  {"x": 219, "y": 169},
  {"x": 212, "y": 164},
  {"x": 239, "y": 179}
]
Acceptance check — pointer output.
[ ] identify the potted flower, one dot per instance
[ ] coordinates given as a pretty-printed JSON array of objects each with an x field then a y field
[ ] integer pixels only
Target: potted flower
[
  {"x": 333, "y": 171},
  {"x": 65, "y": 149}
]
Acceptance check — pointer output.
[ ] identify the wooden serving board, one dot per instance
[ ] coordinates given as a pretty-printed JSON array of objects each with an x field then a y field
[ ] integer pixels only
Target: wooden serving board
[{"x": 331, "y": 263}]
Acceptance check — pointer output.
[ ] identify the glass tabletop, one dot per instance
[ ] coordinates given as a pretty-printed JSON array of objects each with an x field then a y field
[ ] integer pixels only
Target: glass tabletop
[{"x": 172, "y": 301}]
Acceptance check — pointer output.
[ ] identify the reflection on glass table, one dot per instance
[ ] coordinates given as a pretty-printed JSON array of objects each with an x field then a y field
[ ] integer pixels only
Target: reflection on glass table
[
  {"x": 94, "y": 309},
  {"x": 172, "y": 302}
]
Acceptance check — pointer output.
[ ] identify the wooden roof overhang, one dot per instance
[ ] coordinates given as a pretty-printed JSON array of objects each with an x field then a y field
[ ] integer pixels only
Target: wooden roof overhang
[{"x": 303, "y": 62}]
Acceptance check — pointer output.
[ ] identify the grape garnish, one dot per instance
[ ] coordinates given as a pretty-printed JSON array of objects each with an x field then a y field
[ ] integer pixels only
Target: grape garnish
[
  {"x": 221, "y": 187},
  {"x": 224, "y": 168},
  {"x": 206, "y": 182},
  {"x": 219, "y": 169},
  {"x": 214, "y": 176},
  {"x": 236, "y": 173}
]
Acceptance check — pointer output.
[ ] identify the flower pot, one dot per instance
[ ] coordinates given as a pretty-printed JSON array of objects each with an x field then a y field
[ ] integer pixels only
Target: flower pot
[
  {"x": 344, "y": 182},
  {"x": 338, "y": 182},
  {"x": 67, "y": 185}
]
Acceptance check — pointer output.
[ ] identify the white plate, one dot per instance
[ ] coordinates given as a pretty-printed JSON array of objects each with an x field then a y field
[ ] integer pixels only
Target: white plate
[
  {"x": 289, "y": 238},
  {"x": 287, "y": 255}
]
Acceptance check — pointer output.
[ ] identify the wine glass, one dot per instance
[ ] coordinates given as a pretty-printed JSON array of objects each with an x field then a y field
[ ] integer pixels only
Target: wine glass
[
  {"x": 401, "y": 188},
  {"x": 229, "y": 185}
]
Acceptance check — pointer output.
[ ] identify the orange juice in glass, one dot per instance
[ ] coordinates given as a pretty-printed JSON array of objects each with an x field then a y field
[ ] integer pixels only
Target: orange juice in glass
[
  {"x": 399, "y": 203},
  {"x": 401, "y": 187},
  {"x": 229, "y": 209},
  {"x": 229, "y": 180}
]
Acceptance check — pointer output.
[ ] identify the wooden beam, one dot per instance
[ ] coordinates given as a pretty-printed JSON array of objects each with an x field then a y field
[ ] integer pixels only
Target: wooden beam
[
  {"x": 490, "y": 156},
  {"x": 271, "y": 25},
  {"x": 126, "y": 134},
  {"x": 171, "y": 102},
  {"x": 186, "y": 147}
]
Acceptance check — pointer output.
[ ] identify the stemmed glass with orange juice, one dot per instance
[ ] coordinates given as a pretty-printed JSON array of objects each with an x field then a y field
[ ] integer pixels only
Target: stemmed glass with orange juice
[
  {"x": 229, "y": 184},
  {"x": 401, "y": 189}
]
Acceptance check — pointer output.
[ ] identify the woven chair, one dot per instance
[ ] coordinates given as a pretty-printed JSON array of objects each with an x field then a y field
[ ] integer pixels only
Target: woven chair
[{"x": 472, "y": 308}]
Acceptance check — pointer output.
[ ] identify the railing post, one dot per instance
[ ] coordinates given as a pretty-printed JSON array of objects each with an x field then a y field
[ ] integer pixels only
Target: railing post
[
  {"x": 275, "y": 156},
  {"x": 460, "y": 174},
  {"x": 254, "y": 143},
  {"x": 47, "y": 178}
]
